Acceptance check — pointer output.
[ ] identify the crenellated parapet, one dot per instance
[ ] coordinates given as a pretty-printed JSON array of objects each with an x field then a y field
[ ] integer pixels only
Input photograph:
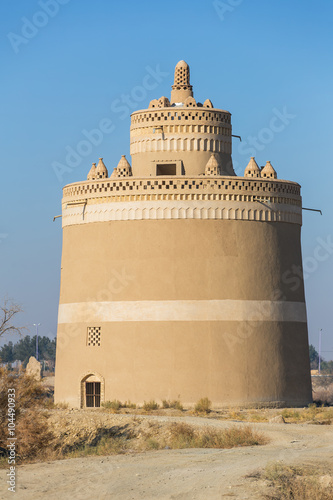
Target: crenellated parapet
[{"x": 182, "y": 198}]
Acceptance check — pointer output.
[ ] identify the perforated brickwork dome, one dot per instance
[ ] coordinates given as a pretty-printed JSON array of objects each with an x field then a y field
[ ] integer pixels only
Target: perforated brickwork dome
[
  {"x": 213, "y": 167},
  {"x": 252, "y": 169},
  {"x": 268, "y": 171},
  {"x": 182, "y": 74},
  {"x": 181, "y": 88},
  {"x": 92, "y": 173},
  {"x": 101, "y": 170}
]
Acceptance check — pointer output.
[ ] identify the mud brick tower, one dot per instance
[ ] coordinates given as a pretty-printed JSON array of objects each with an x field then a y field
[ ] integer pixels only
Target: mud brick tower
[{"x": 174, "y": 278}]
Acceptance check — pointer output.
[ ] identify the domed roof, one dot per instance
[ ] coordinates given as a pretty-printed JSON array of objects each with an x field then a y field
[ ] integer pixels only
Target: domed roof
[
  {"x": 92, "y": 173},
  {"x": 252, "y": 169},
  {"x": 268, "y": 171},
  {"x": 208, "y": 104},
  {"x": 182, "y": 64},
  {"x": 190, "y": 102},
  {"x": 213, "y": 165},
  {"x": 123, "y": 163},
  {"x": 101, "y": 170},
  {"x": 123, "y": 168}
]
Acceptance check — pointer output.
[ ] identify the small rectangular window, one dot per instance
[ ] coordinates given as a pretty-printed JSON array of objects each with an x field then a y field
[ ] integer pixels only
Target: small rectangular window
[{"x": 94, "y": 336}]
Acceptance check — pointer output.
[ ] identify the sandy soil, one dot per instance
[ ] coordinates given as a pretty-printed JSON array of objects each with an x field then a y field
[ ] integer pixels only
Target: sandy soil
[{"x": 175, "y": 474}]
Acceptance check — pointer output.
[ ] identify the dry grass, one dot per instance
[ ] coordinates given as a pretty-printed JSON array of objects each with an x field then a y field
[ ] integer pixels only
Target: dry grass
[
  {"x": 312, "y": 414},
  {"x": 114, "y": 445},
  {"x": 323, "y": 394},
  {"x": 182, "y": 435},
  {"x": 176, "y": 405},
  {"x": 31, "y": 429},
  {"x": 150, "y": 405},
  {"x": 112, "y": 405},
  {"x": 204, "y": 405},
  {"x": 297, "y": 483},
  {"x": 116, "y": 405},
  {"x": 50, "y": 405},
  {"x": 165, "y": 436}
]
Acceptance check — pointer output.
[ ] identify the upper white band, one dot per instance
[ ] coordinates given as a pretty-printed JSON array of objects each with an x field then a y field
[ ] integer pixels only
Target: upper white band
[
  {"x": 174, "y": 209},
  {"x": 182, "y": 310}
]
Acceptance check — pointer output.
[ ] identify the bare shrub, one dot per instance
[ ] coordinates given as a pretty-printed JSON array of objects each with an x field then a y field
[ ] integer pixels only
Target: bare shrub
[
  {"x": 112, "y": 405},
  {"x": 203, "y": 406},
  {"x": 172, "y": 404},
  {"x": 181, "y": 436},
  {"x": 130, "y": 405},
  {"x": 323, "y": 395},
  {"x": 176, "y": 405},
  {"x": 8, "y": 312},
  {"x": 297, "y": 483},
  {"x": 107, "y": 445},
  {"x": 31, "y": 429},
  {"x": 150, "y": 405},
  {"x": 314, "y": 414},
  {"x": 186, "y": 436}
]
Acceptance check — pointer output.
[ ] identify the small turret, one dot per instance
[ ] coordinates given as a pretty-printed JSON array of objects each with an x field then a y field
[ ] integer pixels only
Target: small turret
[
  {"x": 252, "y": 169},
  {"x": 190, "y": 102},
  {"x": 163, "y": 102},
  {"x": 101, "y": 170},
  {"x": 213, "y": 166},
  {"x": 92, "y": 173},
  {"x": 268, "y": 171},
  {"x": 208, "y": 104},
  {"x": 181, "y": 89},
  {"x": 123, "y": 168}
]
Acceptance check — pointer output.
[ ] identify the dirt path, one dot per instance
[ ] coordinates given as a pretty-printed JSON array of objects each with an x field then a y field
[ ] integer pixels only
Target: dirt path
[{"x": 175, "y": 474}]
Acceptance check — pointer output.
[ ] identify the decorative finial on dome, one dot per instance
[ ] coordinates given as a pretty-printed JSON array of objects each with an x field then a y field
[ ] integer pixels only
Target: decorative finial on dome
[{"x": 181, "y": 88}]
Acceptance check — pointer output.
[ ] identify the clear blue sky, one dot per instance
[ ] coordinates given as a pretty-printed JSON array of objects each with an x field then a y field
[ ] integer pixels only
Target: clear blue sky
[{"x": 253, "y": 58}]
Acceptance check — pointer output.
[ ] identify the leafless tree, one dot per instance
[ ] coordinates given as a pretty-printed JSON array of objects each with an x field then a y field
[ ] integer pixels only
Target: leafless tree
[{"x": 8, "y": 311}]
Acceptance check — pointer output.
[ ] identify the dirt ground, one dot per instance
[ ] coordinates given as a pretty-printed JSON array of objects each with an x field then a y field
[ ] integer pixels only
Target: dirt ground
[{"x": 176, "y": 474}]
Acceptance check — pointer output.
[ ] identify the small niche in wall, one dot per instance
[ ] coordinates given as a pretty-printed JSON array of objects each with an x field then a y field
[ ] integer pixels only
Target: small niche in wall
[{"x": 166, "y": 169}]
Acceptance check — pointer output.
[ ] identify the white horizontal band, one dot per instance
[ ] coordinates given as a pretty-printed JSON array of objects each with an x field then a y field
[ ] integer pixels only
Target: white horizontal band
[
  {"x": 174, "y": 209},
  {"x": 182, "y": 310}
]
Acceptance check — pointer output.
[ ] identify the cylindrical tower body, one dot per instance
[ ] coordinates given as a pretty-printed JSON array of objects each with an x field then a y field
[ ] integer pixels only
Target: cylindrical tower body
[{"x": 180, "y": 281}]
